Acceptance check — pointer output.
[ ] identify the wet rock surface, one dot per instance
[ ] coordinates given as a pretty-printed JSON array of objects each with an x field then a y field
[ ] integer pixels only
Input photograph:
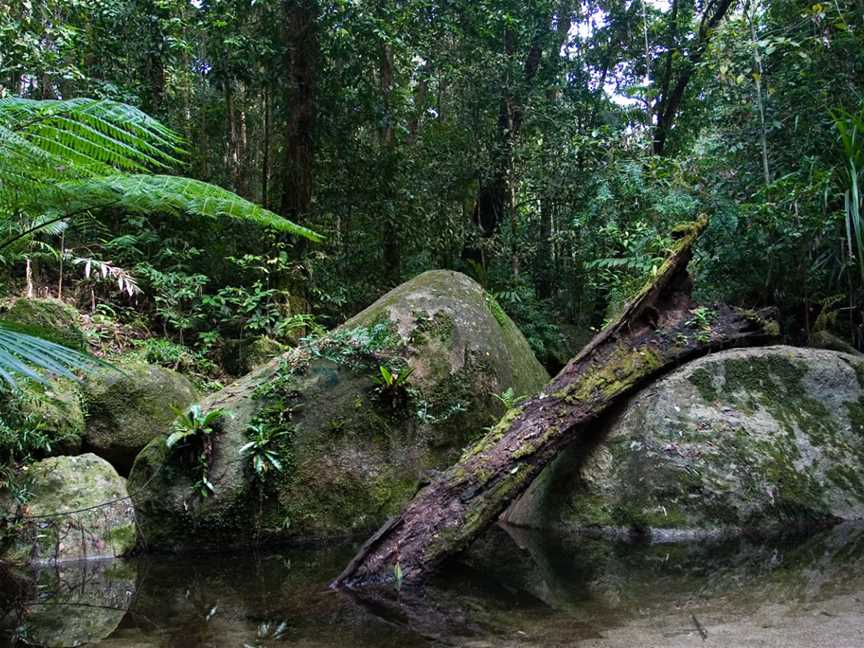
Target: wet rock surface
[{"x": 76, "y": 508}]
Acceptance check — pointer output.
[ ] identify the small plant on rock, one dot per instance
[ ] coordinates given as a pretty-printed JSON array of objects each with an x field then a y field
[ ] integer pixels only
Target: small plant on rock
[
  {"x": 509, "y": 398},
  {"x": 193, "y": 435},
  {"x": 261, "y": 450},
  {"x": 393, "y": 385}
]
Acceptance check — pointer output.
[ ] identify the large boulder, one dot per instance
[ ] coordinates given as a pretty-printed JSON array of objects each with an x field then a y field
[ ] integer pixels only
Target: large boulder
[
  {"x": 50, "y": 318},
  {"x": 751, "y": 439},
  {"x": 76, "y": 508},
  {"x": 41, "y": 419},
  {"x": 127, "y": 407},
  {"x": 352, "y": 450}
]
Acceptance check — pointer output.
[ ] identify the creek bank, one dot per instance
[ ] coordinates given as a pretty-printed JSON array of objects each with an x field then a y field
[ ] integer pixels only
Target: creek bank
[
  {"x": 762, "y": 439},
  {"x": 356, "y": 420}
]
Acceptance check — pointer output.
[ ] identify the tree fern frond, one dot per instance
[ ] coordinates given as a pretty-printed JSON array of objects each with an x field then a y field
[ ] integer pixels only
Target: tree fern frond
[
  {"x": 146, "y": 193},
  {"x": 64, "y": 157}
]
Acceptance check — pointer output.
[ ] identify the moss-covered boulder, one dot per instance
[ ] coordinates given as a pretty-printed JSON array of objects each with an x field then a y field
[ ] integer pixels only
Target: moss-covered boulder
[
  {"x": 76, "y": 508},
  {"x": 50, "y": 318},
  {"x": 353, "y": 448},
  {"x": 126, "y": 409},
  {"x": 40, "y": 420},
  {"x": 755, "y": 439}
]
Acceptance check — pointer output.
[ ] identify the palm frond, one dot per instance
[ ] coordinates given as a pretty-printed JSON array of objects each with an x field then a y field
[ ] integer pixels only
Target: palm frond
[{"x": 23, "y": 354}]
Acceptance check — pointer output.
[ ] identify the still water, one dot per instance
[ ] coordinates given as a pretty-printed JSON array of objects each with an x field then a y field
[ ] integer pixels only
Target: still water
[{"x": 513, "y": 589}]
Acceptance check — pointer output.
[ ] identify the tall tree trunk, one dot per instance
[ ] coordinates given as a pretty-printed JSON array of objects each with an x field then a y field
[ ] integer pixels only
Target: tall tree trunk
[
  {"x": 301, "y": 60},
  {"x": 390, "y": 225},
  {"x": 674, "y": 86},
  {"x": 154, "y": 66},
  {"x": 653, "y": 335},
  {"x": 495, "y": 193},
  {"x": 232, "y": 162},
  {"x": 758, "y": 75},
  {"x": 265, "y": 146}
]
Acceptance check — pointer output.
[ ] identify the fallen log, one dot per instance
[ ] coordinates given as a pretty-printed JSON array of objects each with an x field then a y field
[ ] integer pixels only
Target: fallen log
[{"x": 658, "y": 330}]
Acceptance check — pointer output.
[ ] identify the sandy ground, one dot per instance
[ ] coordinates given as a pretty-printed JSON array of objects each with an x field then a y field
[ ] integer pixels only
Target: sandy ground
[{"x": 836, "y": 622}]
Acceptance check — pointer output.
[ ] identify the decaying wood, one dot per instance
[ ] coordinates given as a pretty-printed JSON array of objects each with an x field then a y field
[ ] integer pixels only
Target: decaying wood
[{"x": 656, "y": 331}]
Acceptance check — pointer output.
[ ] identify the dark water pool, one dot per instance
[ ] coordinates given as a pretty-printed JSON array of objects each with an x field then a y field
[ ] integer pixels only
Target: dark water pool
[{"x": 513, "y": 589}]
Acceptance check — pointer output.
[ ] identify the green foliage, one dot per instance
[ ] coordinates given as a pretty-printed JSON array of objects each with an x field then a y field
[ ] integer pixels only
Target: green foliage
[
  {"x": 393, "y": 385},
  {"x": 165, "y": 353},
  {"x": 192, "y": 426},
  {"x": 68, "y": 157},
  {"x": 509, "y": 399},
  {"x": 262, "y": 450},
  {"x": 22, "y": 440},
  {"x": 192, "y": 436},
  {"x": 515, "y": 141},
  {"x": 354, "y": 347},
  {"x": 21, "y": 354}
]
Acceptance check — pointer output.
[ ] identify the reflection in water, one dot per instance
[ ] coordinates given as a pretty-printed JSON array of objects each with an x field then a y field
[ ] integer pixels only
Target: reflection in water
[
  {"x": 513, "y": 588},
  {"x": 69, "y": 604}
]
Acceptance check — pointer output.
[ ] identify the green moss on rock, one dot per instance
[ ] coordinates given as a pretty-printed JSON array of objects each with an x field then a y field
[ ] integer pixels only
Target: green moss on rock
[
  {"x": 757, "y": 438},
  {"x": 129, "y": 407},
  {"x": 355, "y": 456},
  {"x": 77, "y": 508}
]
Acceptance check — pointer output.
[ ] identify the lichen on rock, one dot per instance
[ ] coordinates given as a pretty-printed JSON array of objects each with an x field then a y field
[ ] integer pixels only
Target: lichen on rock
[{"x": 750, "y": 439}]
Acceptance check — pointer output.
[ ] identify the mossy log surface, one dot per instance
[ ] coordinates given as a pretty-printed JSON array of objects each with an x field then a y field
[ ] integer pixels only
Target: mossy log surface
[{"x": 656, "y": 332}]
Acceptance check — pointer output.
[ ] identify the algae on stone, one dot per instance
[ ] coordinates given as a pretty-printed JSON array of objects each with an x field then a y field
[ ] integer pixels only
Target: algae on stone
[
  {"x": 744, "y": 439},
  {"x": 129, "y": 407}
]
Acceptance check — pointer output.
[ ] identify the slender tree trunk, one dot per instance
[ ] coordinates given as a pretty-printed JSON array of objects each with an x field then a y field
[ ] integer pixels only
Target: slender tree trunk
[
  {"x": 301, "y": 37},
  {"x": 651, "y": 336},
  {"x": 390, "y": 225},
  {"x": 265, "y": 146},
  {"x": 760, "y": 104},
  {"x": 232, "y": 163},
  {"x": 672, "y": 95}
]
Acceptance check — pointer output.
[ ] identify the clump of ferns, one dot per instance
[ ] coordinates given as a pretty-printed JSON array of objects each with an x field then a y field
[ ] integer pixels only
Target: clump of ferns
[{"x": 191, "y": 440}]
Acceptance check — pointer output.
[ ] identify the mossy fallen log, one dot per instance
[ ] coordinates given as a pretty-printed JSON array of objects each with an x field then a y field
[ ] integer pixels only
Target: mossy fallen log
[{"x": 659, "y": 329}]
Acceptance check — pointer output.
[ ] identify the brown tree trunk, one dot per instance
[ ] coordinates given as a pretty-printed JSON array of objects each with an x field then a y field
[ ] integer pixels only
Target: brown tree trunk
[
  {"x": 654, "y": 334},
  {"x": 265, "y": 146},
  {"x": 673, "y": 90},
  {"x": 301, "y": 37}
]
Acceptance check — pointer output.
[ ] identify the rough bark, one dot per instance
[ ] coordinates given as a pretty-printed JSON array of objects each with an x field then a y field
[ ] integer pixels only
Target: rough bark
[
  {"x": 655, "y": 332},
  {"x": 301, "y": 63}
]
